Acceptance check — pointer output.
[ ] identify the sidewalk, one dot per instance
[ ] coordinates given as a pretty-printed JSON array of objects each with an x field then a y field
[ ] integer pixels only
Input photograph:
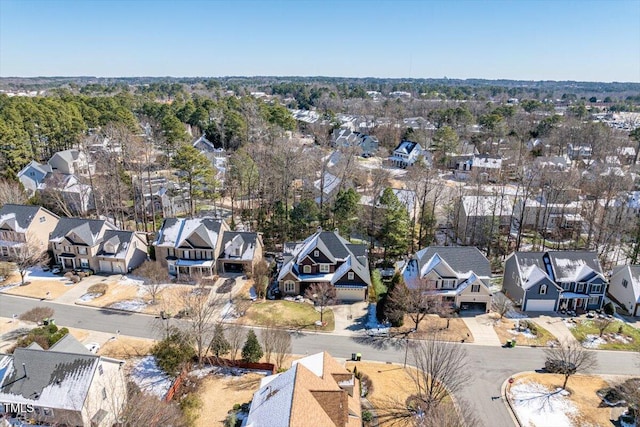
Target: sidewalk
[{"x": 481, "y": 327}]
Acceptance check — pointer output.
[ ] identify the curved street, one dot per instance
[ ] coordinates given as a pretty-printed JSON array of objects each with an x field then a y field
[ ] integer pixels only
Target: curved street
[{"x": 489, "y": 366}]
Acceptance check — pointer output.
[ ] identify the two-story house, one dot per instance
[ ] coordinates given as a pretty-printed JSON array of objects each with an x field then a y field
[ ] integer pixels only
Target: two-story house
[
  {"x": 33, "y": 175},
  {"x": 555, "y": 280},
  {"x": 460, "y": 275},
  {"x": 190, "y": 246},
  {"x": 75, "y": 242},
  {"x": 71, "y": 162},
  {"x": 65, "y": 385},
  {"x": 624, "y": 287},
  {"x": 121, "y": 251},
  {"x": 241, "y": 250},
  {"x": 482, "y": 217},
  {"x": 325, "y": 257},
  {"x": 21, "y": 222},
  {"x": 316, "y": 391},
  {"x": 406, "y": 154}
]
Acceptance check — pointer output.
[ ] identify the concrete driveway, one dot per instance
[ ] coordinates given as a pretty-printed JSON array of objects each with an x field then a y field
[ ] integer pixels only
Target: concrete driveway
[
  {"x": 553, "y": 323},
  {"x": 481, "y": 327},
  {"x": 350, "y": 318}
]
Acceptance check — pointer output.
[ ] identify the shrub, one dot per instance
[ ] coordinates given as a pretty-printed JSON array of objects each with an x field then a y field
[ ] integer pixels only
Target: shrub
[
  {"x": 173, "y": 352},
  {"x": 367, "y": 416},
  {"x": 82, "y": 274},
  {"x": 68, "y": 274},
  {"x": 37, "y": 314},
  {"x": 45, "y": 336},
  {"x": 75, "y": 279},
  {"x": 190, "y": 406},
  {"x": 609, "y": 308},
  {"x": 100, "y": 288},
  {"x": 252, "y": 351}
]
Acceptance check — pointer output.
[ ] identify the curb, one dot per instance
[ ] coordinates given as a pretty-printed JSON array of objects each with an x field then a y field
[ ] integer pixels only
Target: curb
[{"x": 503, "y": 392}]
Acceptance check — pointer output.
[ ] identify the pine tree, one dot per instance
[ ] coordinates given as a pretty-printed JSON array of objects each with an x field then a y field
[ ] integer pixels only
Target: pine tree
[
  {"x": 219, "y": 344},
  {"x": 252, "y": 351}
]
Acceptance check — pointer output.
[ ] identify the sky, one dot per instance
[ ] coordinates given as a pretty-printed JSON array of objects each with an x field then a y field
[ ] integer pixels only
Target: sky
[{"x": 578, "y": 40}]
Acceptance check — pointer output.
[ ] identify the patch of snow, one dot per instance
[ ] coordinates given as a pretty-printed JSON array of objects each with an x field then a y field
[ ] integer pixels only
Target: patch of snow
[
  {"x": 536, "y": 406},
  {"x": 131, "y": 281},
  {"x": 5, "y": 288},
  {"x": 150, "y": 378},
  {"x": 36, "y": 273},
  {"x": 593, "y": 341},
  {"x": 129, "y": 305},
  {"x": 228, "y": 311},
  {"x": 90, "y": 296},
  {"x": 569, "y": 324},
  {"x": 372, "y": 325},
  {"x": 525, "y": 333}
]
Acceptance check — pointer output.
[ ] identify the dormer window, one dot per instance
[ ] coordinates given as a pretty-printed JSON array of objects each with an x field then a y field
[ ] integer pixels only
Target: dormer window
[
  {"x": 350, "y": 275},
  {"x": 316, "y": 253},
  {"x": 543, "y": 289}
]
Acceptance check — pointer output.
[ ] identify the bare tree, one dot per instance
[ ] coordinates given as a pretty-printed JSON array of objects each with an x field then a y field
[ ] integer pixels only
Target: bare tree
[
  {"x": 267, "y": 337},
  {"x": 322, "y": 294},
  {"x": 28, "y": 255},
  {"x": 281, "y": 346},
  {"x": 501, "y": 304},
  {"x": 235, "y": 336},
  {"x": 144, "y": 409},
  {"x": 440, "y": 373},
  {"x": 261, "y": 278},
  {"x": 569, "y": 358},
  {"x": 12, "y": 192},
  {"x": 602, "y": 323},
  {"x": 154, "y": 276},
  {"x": 200, "y": 308}
]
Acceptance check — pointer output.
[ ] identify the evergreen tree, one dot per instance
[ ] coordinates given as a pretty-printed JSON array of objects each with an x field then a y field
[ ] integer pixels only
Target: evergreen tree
[
  {"x": 219, "y": 344},
  {"x": 394, "y": 233},
  {"x": 196, "y": 172},
  {"x": 252, "y": 351},
  {"x": 345, "y": 210}
]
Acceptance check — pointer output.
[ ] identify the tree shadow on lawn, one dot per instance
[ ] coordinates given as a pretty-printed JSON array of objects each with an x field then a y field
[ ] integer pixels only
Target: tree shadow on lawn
[
  {"x": 380, "y": 342},
  {"x": 15, "y": 334}
]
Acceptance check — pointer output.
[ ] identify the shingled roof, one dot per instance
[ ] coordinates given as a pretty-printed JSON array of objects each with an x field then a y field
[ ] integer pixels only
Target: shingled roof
[
  {"x": 87, "y": 230},
  {"x": 461, "y": 259},
  {"x": 19, "y": 217}
]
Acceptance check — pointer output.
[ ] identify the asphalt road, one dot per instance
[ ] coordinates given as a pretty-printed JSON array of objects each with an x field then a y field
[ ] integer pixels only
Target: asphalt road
[{"x": 488, "y": 367}]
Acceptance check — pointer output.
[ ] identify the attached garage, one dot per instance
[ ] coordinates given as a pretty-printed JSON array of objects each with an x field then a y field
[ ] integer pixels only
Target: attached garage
[
  {"x": 540, "y": 305},
  {"x": 111, "y": 267},
  {"x": 350, "y": 293},
  {"x": 233, "y": 267}
]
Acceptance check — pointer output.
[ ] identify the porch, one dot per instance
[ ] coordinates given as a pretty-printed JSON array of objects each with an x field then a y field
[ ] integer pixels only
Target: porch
[
  {"x": 192, "y": 267},
  {"x": 570, "y": 301}
]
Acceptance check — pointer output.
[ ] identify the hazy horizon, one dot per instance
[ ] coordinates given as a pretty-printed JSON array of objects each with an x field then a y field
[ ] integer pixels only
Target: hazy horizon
[{"x": 495, "y": 40}]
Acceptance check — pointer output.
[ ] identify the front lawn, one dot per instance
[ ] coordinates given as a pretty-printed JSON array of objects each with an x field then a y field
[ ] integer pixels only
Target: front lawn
[
  {"x": 617, "y": 336},
  {"x": 287, "y": 314},
  {"x": 432, "y": 323},
  {"x": 528, "y": 332}
]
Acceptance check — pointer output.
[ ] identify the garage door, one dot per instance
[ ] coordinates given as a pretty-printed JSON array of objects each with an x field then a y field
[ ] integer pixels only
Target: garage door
[
  {"x": 540, "y": 305},
  {"x": 105, "y": 266},
  {"x": 118, "y": 267},
  {"x": 232, "y": 267},
  {"x": 350, "y": 294}
]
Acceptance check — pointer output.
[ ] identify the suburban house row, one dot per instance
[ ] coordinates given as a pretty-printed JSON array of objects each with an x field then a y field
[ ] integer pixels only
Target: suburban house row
[{"x": 460, "y": 275}]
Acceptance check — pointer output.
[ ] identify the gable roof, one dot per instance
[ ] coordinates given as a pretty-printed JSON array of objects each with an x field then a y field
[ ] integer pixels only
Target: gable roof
[
  {"x": 573, "y": 266},
  {"x": 19, "y": 217},
  {"x": 244, "y": 240},
  {"x": 406, "y": 147},
  {"x": 333, "y": 246},
  {"x": 461, "y": 259},
  {"x": 120, "y": 240},
  {"x": 68, "y": 156},
  {"x": 88, "y": 230},
  {"x": 176, "y": 232},
  {"x": 634, "y": 273},
  {"x": 307, "y": 394}
]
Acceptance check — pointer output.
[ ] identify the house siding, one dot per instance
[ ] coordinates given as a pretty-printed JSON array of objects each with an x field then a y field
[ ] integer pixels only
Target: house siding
[{"x": 511, "y": 279}]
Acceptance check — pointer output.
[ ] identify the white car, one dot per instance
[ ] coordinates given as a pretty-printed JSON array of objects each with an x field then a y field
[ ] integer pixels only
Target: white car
[{"x": 93, "y": 347}]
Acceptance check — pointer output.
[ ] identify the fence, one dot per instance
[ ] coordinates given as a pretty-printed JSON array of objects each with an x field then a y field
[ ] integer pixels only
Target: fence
[
  {"x": 217, "y": 361},
  {"x": 176, "y": 385}
]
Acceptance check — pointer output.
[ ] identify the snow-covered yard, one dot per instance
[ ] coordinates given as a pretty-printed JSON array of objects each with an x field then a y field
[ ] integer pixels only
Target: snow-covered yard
[
  {"x": 372, "y": 326},
  {"x": 150, "y": 378},
  {"x": 536, "y": 405},
  {"x": 137, "y": 305}
]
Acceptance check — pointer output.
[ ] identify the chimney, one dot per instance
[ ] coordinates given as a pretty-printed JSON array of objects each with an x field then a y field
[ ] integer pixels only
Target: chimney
[
  {"x": 24, "y": 368},
  {"x": 319, "y": 230}
]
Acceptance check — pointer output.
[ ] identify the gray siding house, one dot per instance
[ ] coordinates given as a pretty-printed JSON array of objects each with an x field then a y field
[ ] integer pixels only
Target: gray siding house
[{"x": 555, "y": 280}]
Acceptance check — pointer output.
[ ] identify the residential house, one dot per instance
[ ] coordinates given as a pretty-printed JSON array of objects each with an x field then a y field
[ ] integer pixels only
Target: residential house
[
  {"x": 462, "y": 159},
  {"x": 161, "y": 196},
  {"x": 19, "y": 222},
  {"x": 406, "y": 197},
  {"x": 77, "y": 196},
  {"x": 241, "y": 250},
  {"x": 328, "y": 184},
  {"x": 482, "y": 217},
  {"x": 75, "y": 242},
  {"x": 344, "y": 137},
  {"x": 316, "y": 391},
  {"x": 555, "y": 280},
  {"x": 627, "y": 155},
  {"x": 192, "y": 246},
  {"x": 460, "y": 275},
  {"x": 579, "y": 151},
  {"x": 406, "y": 154},
  {"x": 65, "y": 385},
  {"x": 71, "y": 162},
  {"x": 624, "y": 287},
  {"x": 33, "y": 175},
  {"x": 548, "y": 213},
  {"x": 217, "y": 156},
  {"x": 486, "y": 168},
  {"x": 121, "y": 251},
  {"x": 325, "y": 257}
]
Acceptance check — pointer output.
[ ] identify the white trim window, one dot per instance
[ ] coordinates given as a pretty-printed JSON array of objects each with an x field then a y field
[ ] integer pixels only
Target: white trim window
[
  {"x": 596, "y": 289},
  {"x": 351, "y": 275},
  {"x": 289, "y": 286},
  {"x": 306, "y": 269},
  {"x": 82, "y": 250},
  {"x": 593, "y": 300},
  {"x": 324, "y": 268},
  {"x": 580, "y": 287},
  {"x": 316, "y": 253},
  {"x": 475, "y": 288},
  {"x": 448, "y": 283},
  {"x": 84, "y": 263},
  {"x": 543, "y": 289}
]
